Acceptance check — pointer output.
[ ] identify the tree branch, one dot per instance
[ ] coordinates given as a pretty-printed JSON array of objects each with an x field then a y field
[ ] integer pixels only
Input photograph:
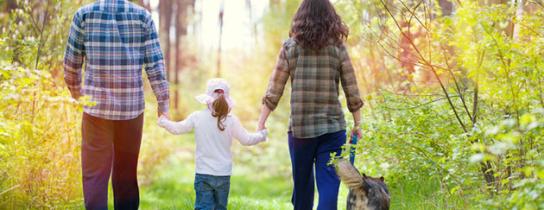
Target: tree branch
[{"x": 428, "y": 64}]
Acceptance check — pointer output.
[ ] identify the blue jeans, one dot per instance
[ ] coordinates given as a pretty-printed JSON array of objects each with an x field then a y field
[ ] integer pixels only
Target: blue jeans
[
  {"x": 307, "y": 154},
  {"x": 212, "y": 192}
]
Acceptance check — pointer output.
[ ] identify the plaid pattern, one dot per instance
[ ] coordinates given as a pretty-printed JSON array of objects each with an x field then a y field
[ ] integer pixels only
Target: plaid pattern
[
  {"x": 315, "y": 78},
  {"x": 115, "y": 39}
]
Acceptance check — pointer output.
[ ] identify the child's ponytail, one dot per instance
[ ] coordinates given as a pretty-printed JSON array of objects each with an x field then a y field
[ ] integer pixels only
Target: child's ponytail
[{"x": 220, "y": 110}]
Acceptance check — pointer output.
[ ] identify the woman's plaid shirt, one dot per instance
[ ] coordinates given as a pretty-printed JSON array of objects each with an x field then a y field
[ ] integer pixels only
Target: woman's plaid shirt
[
  {"x": 116, "y": 40},
  {"x": 315, "y": 78}
]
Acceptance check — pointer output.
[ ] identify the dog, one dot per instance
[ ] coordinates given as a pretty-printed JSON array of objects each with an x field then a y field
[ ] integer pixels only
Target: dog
[{"x": 365, "y": 192}]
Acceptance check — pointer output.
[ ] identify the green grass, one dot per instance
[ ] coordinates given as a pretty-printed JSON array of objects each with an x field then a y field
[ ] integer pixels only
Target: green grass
[
  {"x": 422, "y": 194},
  {"x": 261, "y": 179},
  {"x": 172, "y": 188}
]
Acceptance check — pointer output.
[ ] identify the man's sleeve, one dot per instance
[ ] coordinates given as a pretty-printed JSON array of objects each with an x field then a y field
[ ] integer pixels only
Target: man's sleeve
[
  {"x": 154, "y": 66},
  {"x": 74, "y": 56}
]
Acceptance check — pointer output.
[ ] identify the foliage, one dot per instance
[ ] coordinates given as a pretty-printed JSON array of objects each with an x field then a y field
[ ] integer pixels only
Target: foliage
[
  {"x": 39, "y": 121},
  {"x": 512, "y": 141},
  {"x": 39, "y": 144},
  {"x": 473, "y": 69},
  {"x": 453, "y": 114}
]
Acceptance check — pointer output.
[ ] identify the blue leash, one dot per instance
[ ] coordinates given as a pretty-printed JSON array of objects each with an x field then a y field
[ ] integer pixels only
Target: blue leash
[{"x": 353, "y": 141}]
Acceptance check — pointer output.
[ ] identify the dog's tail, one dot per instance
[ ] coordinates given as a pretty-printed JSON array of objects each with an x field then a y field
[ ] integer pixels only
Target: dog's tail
[{"x": 349, "y": 174}]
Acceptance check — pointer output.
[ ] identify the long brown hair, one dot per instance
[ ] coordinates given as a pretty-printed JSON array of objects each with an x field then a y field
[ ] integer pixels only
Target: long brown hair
[
  {"x": 220, "y": 110},
  {"x": 316, "y": 23}
]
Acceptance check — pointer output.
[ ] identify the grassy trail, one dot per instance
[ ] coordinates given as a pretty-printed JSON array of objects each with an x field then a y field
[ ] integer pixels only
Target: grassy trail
[{"x": 171, "y": 187}]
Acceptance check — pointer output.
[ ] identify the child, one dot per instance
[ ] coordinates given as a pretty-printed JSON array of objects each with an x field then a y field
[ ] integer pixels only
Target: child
[{"x": 214, "y": 129}]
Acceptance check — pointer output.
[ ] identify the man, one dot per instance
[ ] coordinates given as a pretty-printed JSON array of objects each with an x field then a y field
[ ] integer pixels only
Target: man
[{"x": 115, "y": 39}]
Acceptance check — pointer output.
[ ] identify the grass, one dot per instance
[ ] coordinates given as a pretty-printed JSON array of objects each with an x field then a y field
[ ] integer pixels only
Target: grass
[
  {"x": 422, "y": 194},
  {"x": 261, "y": 179},
  {"x": 172, "y": 188}
]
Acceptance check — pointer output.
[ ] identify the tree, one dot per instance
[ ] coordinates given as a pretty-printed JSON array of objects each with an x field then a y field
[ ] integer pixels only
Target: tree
[
  {"x": 182, "y": 12},
  {"x": 165, "y": 24}
]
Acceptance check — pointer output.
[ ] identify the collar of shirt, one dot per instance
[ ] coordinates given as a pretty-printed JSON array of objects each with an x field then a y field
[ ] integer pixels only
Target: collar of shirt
[{"x": 111, "y": 4}]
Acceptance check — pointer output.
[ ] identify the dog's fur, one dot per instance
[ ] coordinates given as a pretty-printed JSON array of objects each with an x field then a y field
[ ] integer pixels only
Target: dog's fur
[{"x": 365, "y": 192}]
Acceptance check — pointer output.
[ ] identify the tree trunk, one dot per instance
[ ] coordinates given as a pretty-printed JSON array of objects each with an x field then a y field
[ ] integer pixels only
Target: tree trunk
[
  {"x": 145, "y": 4},
  {"x": 221, "y": 13},
  {"x": 446, "y": 6},
  {"x": 272, "y": 3},
  {"x": 519, "y": 16},
  {"x": 181, "y": 31},
  {"x": 10, "y": 5},
  {"x": 165, "y": 22}
]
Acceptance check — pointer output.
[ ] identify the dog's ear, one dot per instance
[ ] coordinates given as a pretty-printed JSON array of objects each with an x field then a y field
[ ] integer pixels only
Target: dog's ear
[
  {"x": 382, "y": 179},
  {"x": 365, "y": 185}
]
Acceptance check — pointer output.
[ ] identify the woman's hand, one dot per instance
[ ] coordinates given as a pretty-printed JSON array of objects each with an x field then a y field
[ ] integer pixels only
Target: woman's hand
[
  {"x": 357, "y": 124},
  {"x": 261, "y": 126},
  {"x": 265, "y": 112},
  {"x": 357, "y": 130}
]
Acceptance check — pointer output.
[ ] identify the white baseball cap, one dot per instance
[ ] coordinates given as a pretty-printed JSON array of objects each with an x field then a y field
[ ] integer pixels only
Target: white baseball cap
[{"x": 216, "y": 87}]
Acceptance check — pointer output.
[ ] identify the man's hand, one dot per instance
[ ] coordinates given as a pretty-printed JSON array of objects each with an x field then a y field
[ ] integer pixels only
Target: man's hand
[
  {"x": 75, "y": 94},
  {"x": 165, "y": 114}
]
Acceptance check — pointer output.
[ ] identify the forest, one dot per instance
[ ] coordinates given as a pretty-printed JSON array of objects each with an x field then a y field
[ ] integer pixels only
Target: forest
[{"x": 453, "y": 92}]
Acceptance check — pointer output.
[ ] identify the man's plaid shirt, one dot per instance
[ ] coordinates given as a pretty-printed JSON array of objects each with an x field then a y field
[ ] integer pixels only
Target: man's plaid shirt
[
  {"x": 315, "y": 78},
  {"x": 115, "y": 39}
]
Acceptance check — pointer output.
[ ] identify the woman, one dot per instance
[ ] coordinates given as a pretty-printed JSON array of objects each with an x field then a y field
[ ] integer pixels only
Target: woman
[{"x": 316, "y": 60}]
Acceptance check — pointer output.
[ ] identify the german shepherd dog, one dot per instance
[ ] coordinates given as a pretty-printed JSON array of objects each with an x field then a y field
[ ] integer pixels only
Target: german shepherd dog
[{"x": 365, "y": 192}]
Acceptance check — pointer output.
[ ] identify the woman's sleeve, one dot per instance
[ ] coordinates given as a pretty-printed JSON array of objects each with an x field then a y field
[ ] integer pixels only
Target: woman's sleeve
[
  {"x": 246, "y": 138},
  {"x": 177, "y": 128},
  {"x": 277, "y": 82},
  {"x": 349, "y": 81}
]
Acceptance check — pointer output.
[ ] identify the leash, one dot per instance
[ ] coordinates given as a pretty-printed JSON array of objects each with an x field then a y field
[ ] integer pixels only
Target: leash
[{"x": 352, "y": 141}]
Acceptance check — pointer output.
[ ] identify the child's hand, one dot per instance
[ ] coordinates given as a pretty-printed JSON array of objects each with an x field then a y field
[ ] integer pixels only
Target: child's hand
[
  {"x": 264, "y": 133},
  {"x": 162, "y": 121}
]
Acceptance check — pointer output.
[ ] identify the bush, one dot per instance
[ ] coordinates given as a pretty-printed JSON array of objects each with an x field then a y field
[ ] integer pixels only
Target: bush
[{"x": 39, "y": 141}]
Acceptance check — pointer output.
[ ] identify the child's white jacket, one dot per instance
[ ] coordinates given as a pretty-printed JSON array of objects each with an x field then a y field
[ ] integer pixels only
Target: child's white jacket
[{"x": 213, "y": 153}]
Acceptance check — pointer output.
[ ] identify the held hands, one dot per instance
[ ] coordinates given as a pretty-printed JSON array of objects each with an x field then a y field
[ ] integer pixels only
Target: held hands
[
  {"x": 163, "y": 114},
  {"x": 265, "y": 112},
  {"x": 264, "y": 133},
  {"x": 163, "y": 117},
  {"x": 261, "y": 126},
  {"x": 162, "y": 120}
]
